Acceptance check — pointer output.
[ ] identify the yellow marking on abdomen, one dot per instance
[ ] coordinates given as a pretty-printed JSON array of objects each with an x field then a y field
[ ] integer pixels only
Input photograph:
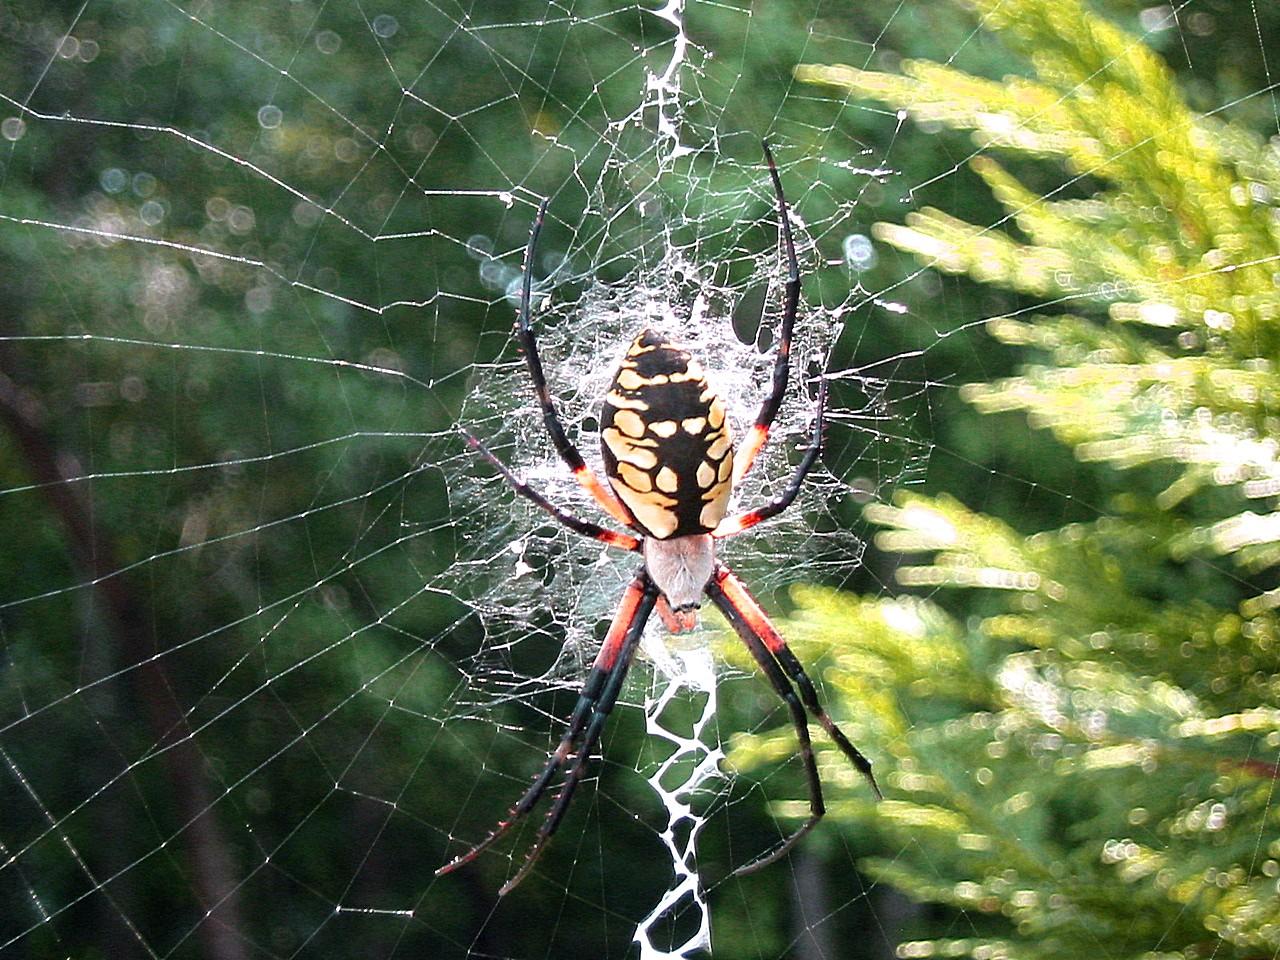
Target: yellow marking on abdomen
[
  {"x": 629, "y": 422},
  {"x": 625, "y": 448},
  {"x": 636, "y": 456},
  {"x": 625, "y": 403},
  {"x": 692, "y": 374},
  {"x": 636, "y": 349},
  {"x": 637, "y": 480},
  {"x": 628, "y": 379},
  {"x": 713, "y": 512},
  {"x": 651, "y": 510}
]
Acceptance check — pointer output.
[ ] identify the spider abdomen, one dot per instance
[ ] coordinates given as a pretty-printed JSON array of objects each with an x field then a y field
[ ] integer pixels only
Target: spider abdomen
[{"x": 667, "y": 449}]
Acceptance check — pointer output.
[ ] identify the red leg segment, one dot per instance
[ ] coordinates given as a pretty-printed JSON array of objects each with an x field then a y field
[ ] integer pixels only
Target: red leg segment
[
  {"x": 778, "y": 664},
  {"x": 599, "y": 694}
]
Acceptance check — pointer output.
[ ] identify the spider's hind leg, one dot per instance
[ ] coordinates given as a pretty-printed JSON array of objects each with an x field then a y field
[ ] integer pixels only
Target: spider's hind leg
[
  {"x": 777, "y": 662},
  {"x": 737, "y": 596},
  {"x": 599, "y": 694}
]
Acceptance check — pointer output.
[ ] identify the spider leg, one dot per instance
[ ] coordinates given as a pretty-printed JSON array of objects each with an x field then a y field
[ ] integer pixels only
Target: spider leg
[
  {"x": 600, "y": 714},
  {"x": 570, "y": 520},
  {"x": 738, "y": 596},
  {"x": 743, "y": 521},
  {"x": 599, "y": 694},
  {"x": 564, "y": 446},
  {"x": 778, "y": 663},
  {"x": 769, "y": 410},
  {"x": 769, "y": 666}
]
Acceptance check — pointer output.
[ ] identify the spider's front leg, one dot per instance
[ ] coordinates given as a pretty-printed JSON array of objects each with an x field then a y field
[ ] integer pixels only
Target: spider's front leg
[
  {"x": 781, "y": 365},
  {"x": 778, "y": 664},
  {"x": 559, "y": 439},
  {"x": 599, "y": 694},
  {"x": 569, "y": 519}
]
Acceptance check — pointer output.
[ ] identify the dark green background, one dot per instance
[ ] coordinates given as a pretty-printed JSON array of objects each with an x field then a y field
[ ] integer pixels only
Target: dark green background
[{"x": 251, "y": 642}]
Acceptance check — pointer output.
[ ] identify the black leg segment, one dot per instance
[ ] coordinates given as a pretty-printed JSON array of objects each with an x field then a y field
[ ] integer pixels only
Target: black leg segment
[{"x": 595, "y": 703}]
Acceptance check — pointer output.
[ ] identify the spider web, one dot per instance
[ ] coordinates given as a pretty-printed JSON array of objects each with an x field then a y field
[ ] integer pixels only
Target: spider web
[{"x": 287, "y": 645}]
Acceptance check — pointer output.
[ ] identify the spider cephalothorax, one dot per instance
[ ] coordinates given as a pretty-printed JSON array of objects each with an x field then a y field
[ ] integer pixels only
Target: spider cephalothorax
[{"x": 671, "y": 466}]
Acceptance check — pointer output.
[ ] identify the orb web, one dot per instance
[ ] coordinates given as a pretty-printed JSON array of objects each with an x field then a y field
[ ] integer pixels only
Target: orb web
[{"x": 273, "y": 643}]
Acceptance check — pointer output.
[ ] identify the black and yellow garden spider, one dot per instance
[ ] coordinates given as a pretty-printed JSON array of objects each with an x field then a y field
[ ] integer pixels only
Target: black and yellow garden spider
[{"x": 671, "y": 468}]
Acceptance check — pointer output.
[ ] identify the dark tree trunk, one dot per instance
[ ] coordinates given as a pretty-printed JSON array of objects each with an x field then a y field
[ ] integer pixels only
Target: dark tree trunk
[{"x": 122, "y": 618}]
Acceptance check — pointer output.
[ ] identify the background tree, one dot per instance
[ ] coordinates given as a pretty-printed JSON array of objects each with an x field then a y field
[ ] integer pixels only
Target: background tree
[{"x": 1087, "y": 762}]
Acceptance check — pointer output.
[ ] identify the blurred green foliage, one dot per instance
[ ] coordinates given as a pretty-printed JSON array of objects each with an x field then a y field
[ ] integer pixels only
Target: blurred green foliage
[{"x": 1087, "y": 760}]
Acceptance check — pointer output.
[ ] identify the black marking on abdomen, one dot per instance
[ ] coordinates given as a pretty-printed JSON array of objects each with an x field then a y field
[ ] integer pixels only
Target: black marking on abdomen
[{"x": 666, "y": 445}]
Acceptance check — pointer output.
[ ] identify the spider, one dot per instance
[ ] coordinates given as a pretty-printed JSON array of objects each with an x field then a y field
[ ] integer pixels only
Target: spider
[{"x": 671, "y": 468}]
